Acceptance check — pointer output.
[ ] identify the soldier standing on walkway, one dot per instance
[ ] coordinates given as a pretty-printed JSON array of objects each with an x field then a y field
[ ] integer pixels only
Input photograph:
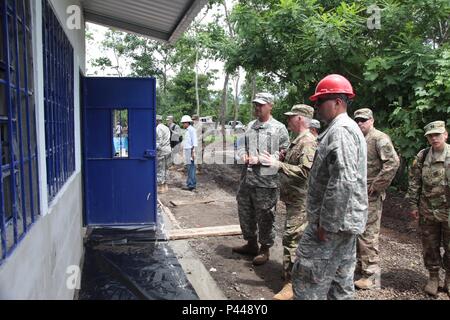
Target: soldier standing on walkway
[
  {"x": 259, "y": 185},
  {"x": 429, "y": 197},
  {"x": 294, "y": 172},
  {"x": 382, "y": 165},
  {"x": 336, "y": 205}
]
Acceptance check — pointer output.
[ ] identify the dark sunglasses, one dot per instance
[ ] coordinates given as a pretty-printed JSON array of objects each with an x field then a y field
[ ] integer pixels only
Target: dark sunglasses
[
  {"x": 358, "y": 120},
  {"x": 321, "y": 101},
  {"x": 258, "y": 105}
]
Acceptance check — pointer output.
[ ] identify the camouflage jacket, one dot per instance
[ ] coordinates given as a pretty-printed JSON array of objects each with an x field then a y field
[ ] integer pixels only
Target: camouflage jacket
[
  {"x": 163, "y": 140},
  {"x": 271, "y": 136},
  {"x": 382, "y": 161},
  {"x": 294, "y": 170},
  {"x": 429, "y": 190},
  {"x": 337, "y": 193}
]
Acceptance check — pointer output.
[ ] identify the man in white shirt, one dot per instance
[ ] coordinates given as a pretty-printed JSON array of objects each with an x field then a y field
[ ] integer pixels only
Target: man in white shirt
[{"x": 189, "y": 145}]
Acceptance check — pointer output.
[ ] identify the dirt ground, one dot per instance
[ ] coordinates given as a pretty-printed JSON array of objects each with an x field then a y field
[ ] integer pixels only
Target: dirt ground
[{"x": 403, "y": 274}]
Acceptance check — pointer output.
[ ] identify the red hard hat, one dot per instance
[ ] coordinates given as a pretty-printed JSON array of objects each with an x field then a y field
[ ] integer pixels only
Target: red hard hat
[{"x": 332, "y": 84}]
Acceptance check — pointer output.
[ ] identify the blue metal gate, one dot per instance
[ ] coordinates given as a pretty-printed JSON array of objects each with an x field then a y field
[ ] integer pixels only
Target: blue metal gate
[{"x": 119, "y": 151}]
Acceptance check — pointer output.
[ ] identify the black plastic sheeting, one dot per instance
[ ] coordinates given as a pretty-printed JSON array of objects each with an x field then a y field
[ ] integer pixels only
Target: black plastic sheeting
[{"x": 132, "y": 264}]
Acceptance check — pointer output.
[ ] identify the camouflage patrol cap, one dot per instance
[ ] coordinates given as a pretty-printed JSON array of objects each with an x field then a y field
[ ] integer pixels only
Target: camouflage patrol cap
[
  {"x": 364, "y": 113},
  {"x": 169, "y": 118},
  {"x": 435, "y": 127},
  {"x": 301, "y": 110},
  {"x": 263, "y": 98},
  {"x": 315, "y": 124},
  {"x": 158, "y": 118}
]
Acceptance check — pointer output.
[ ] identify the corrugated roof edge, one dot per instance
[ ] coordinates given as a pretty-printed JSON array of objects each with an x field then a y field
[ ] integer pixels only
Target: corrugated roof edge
[{"x": 187, "y": 18}]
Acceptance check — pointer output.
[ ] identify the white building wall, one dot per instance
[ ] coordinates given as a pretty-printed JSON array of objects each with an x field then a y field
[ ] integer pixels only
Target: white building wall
[{"x": 37, "y": 267}]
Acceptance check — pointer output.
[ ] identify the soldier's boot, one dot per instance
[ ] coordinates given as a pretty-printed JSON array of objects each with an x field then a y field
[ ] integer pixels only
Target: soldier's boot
[
  {"x": 433, "y": 283},
  {"x": 164, "y": 188},
  {"x": 251, "y": 248},
  {"x": 286, "y": 293},
  {"x": 262, "y": 257},
  {"x": 372, "y": 282}
]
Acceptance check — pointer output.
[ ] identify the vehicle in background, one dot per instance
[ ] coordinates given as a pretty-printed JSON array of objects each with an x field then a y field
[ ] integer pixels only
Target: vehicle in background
[
  {"x": 239, "y": 125},
  {"x": 206, "y": 120}
]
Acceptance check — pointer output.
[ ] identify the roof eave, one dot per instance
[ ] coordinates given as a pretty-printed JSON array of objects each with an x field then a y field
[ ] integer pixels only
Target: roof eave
[
  {"x": 128, "y": 26},
  {"x": 187, "y": 19}
]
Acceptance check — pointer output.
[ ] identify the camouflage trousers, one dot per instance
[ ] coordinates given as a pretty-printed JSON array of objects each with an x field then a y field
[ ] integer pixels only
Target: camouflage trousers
[
  {"x": 324, "y": 270},
  {"x": 294, "y": 227},
  {"x": 368, "y": 242},
  {"x": 434, "y": 236},
  {"x": 256, "y": 208},
  {"x": 161, "y": 173}
]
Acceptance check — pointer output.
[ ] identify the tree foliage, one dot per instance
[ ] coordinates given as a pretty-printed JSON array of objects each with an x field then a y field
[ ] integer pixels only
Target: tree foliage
[{"x": 399, "y": 70}]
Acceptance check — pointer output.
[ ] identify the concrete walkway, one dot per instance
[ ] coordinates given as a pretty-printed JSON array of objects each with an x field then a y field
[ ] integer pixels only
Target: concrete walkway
[{"x": 200, "y": 278}]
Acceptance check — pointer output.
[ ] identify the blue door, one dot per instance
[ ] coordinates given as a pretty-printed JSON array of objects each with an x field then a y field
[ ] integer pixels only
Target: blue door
[{"x": 119, "y": 151}]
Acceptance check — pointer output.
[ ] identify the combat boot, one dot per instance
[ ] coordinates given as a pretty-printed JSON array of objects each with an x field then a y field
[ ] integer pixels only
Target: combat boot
[
  {"x": 372, "y": 282},
  {"x": 251, "y": 248},
  {"x": 433, "y": 283},
  {"x": 262, "y": 257},
  {"x": 286, "y": 293},
  {"x": 164, "y": 188}
]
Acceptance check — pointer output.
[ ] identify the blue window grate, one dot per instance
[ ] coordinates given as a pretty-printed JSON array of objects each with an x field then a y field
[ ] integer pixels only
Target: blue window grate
[
  {"x": 19, "y": 200},
  {"x": 59, "y": 102}
]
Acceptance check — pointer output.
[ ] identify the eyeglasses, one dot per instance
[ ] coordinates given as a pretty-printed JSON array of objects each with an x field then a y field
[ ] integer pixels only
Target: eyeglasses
[{"x": 358, "y": 120}]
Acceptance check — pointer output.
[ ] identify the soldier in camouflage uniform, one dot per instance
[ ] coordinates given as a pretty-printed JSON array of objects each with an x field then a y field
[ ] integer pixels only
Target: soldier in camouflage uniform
[
  {"x": 382, "y": 165},
  {"x": 429, "y": 198},
  {"x": 259, "y": 185},
  {"x": 294, "y": 171},
  {"x": 315, "y": 127},
  {"x": 163, "y": 150},
  {"x": 337, "y": 202}
]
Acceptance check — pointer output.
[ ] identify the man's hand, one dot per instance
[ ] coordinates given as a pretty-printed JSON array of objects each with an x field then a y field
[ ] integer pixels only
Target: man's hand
[
  {"x": 371, "y": 191},
  {"x": 253, "y": 160},
  {"x": 267, "y": 160},
  {"x": 282, "y": 155},
  {"x": 414, "y": 214},
  {"x": 321, "y": 234},
  {"x": 193, "y": 155}
]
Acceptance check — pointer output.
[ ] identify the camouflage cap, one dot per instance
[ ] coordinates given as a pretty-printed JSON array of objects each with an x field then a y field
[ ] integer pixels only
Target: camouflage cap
[
  {"x": 364, "y": 113},
  {"x": 158, "y": 118},
  {"x": 315, "y": 124},
  {"x": 169, "y": 118},
  {"x": 435, "y": 127},
  {"x": 263, "y": 98},
  {"x": 301, "y": 110}
]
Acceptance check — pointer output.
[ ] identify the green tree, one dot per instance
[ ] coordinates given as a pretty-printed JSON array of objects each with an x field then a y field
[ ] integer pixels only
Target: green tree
[{"x": 398, "y": 70}]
